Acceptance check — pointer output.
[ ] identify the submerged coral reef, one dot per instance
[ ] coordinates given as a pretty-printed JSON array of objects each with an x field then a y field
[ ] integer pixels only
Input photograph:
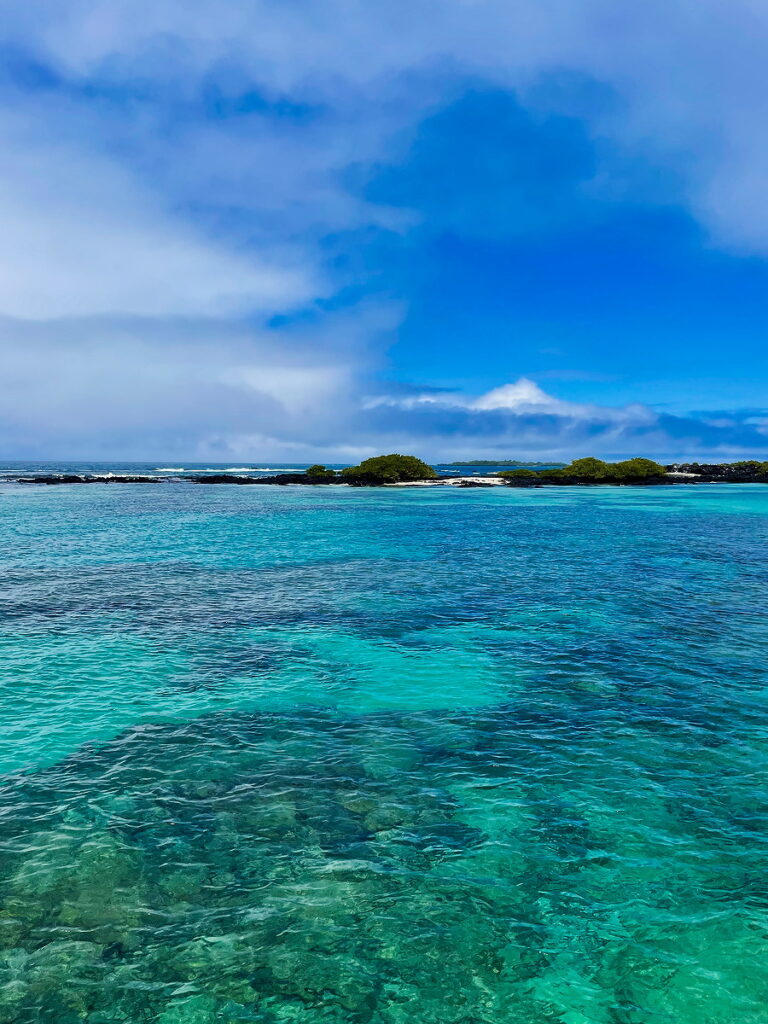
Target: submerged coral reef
[
  {"x": 392, "y": 868},
  {"x": 301, "y": 755}
]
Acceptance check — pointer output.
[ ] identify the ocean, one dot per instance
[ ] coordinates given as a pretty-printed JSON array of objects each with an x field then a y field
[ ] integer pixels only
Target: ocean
[{"x": 396, "y": 756}]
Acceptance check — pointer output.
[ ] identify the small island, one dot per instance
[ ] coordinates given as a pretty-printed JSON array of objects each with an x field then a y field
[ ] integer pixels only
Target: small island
[
  {"x": 519, "y": 463},
  {"x": 395, "y": 470},
  {"x": 374, "y": 472},
  {"x": 591, "y": 471}
]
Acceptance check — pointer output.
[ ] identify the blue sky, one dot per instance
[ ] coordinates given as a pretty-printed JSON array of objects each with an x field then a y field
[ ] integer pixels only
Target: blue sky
[{"x": 256, "y": 230}]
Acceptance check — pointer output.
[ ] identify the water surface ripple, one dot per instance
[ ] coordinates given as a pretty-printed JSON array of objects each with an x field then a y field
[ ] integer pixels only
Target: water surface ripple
[{"x": 400, "y": 757}]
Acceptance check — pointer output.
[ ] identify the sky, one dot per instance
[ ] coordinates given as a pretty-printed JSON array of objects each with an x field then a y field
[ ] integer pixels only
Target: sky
[{"x": 305, "y": 230}]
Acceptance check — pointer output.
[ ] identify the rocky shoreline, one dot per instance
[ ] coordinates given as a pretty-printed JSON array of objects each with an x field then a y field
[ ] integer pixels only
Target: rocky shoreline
[
  {"x": 675, "y": 474},
  {"x": 75, "y": 478}
]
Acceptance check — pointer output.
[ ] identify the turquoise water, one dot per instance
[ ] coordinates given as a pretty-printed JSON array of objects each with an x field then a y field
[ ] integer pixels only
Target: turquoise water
[{"x": 350, "y": 755}]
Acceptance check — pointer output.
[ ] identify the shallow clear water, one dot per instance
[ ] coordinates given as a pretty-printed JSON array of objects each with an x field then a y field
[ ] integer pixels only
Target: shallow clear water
[{"x": 302, "y": 755}]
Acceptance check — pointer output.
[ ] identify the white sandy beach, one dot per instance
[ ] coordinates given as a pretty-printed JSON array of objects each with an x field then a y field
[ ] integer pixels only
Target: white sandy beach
[{"x": 453, "y": 481}]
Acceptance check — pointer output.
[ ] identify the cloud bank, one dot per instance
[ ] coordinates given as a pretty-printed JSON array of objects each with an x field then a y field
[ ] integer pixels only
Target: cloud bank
[{"x": 191, "y": 194}]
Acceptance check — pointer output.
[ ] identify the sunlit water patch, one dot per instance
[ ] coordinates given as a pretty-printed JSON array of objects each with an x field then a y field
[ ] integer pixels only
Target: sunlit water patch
[{"x": 300, "y": 755}]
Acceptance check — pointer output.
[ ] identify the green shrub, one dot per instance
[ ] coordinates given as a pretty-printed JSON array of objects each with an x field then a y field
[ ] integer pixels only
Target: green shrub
[
  {"x": 320, "y": 472},
  {"x": 588, "y": 469},
  {"x": 753, "y": 465},
  {"x": 636, "y": 469},
  {"x": 630, "y": 470},
  {"x": 518, "y": 474},
  {"x": 553, "y": 476},
  {"x": 388, "y": 469}
]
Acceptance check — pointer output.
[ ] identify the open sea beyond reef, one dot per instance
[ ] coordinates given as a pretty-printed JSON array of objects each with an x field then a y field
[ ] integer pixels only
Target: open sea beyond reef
[{"x": 294, "y": 754}]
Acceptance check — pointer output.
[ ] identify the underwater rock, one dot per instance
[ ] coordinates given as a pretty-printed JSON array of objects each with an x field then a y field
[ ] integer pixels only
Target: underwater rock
[
  {"x": 13, "y": 995},
  {"x": 307, "y": 872},
  {"x": 384, "y": 755},
  {"x": 192, "y": 1010},
  {"x": 57, "y": 977}
]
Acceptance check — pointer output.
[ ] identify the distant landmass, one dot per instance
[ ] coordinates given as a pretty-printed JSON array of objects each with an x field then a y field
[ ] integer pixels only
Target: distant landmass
[{"x": 499, "y": 462}]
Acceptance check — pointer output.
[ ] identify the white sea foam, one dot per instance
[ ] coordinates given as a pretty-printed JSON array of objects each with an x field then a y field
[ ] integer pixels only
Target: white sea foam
[
  {"x": 108, "y": 476},
  {"x": 452, "y": 482},
  {"x": 170, "y": 469}
]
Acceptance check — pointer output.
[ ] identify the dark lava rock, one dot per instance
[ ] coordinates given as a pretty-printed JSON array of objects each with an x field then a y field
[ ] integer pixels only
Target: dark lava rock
[
  {"x": 228, "y": 478},
  {"x": 69, "y": 478},
  {"x": 734, "y": 472},
  {"x": 281, "y": 479}
]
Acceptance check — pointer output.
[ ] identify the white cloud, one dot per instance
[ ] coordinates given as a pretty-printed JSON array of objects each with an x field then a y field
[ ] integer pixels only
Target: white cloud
[
  {"x": 136, "y": 387},
  {"x": 693, "y": 77},
  {"x": 119, "y": 200},
  {"x": 522, "y": 420},
  {"x": 522, "y": 397},
  {"x": 81, "y": 236},
  {"x": 96, "y": 201},
  {"x": 131, "y": 389},
  {"x": 299, "y": 389}
]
